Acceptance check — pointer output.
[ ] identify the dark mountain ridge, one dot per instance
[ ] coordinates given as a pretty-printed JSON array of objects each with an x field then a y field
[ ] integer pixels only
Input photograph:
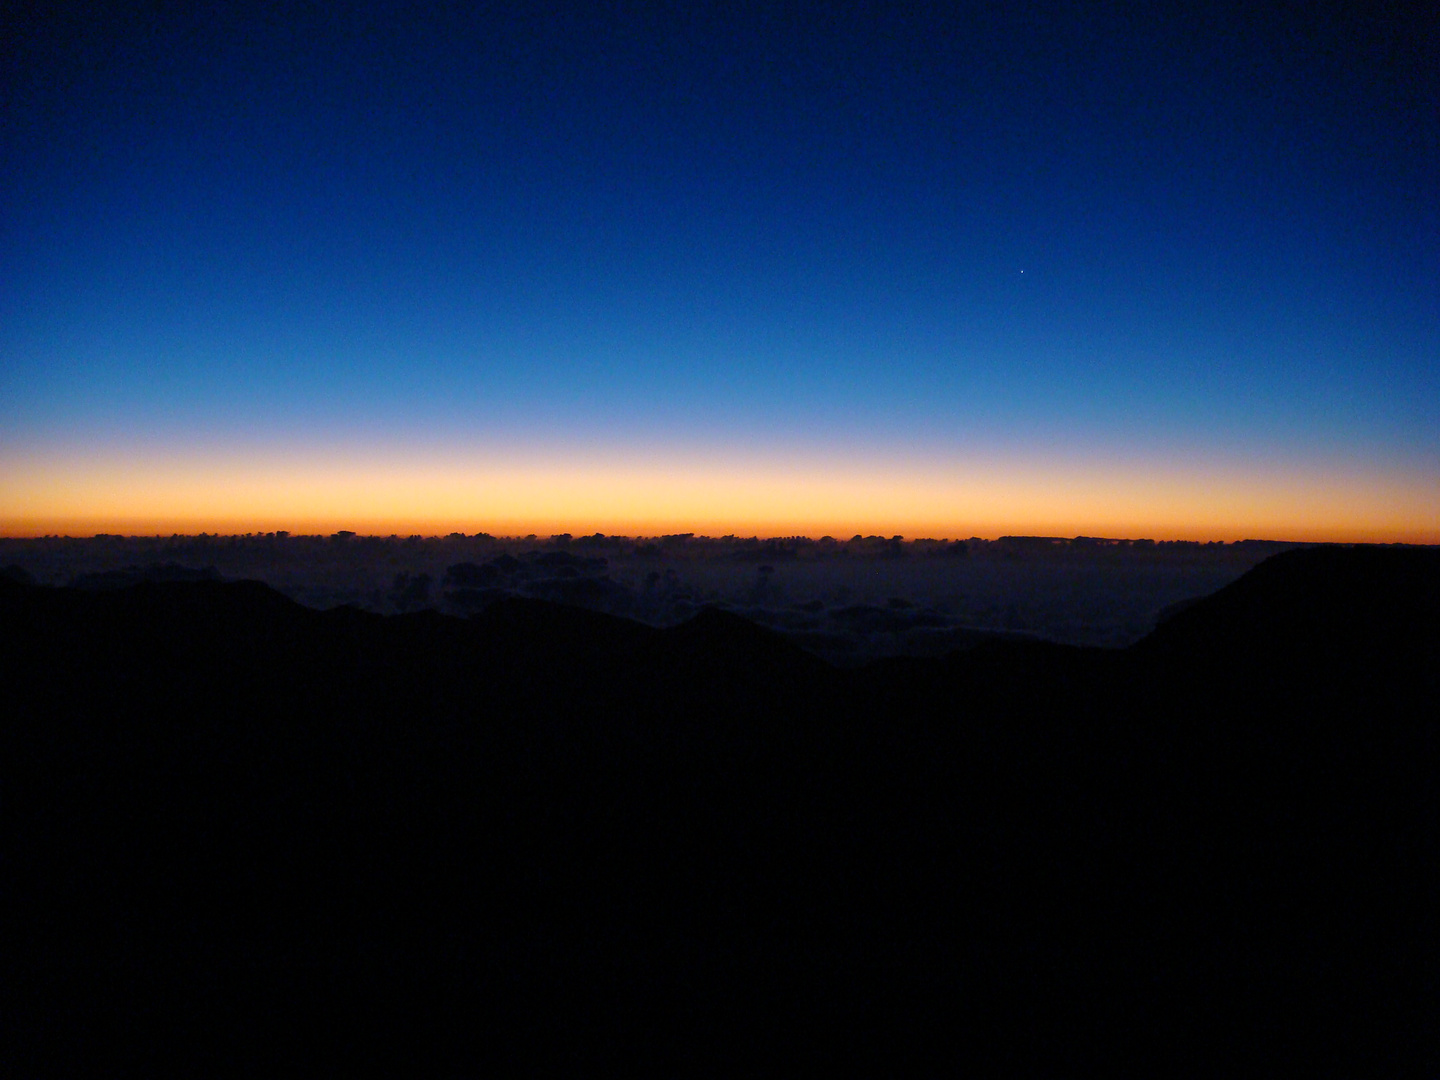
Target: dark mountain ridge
[{"x": 1213, "y": 849}]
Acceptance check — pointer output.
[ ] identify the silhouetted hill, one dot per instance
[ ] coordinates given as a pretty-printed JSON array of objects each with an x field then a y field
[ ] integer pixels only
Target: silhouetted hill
[
  {"x": 1337, "y": 612},
  {"x": 16, "y": 574},
  {"x": 545, "y": 830},
  {"x": 136, "y": 575}
]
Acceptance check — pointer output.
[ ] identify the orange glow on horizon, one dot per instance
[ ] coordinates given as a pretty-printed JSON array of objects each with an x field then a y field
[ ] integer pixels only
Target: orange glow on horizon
[{"x": 384, "y": 497}]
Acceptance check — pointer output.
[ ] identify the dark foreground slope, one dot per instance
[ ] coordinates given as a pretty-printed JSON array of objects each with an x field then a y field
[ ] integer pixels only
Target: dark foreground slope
[{"x": 543, "y": 831}]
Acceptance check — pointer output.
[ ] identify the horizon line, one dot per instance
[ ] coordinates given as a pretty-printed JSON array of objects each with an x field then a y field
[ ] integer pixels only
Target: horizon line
[{"x": 545, "y": 538}]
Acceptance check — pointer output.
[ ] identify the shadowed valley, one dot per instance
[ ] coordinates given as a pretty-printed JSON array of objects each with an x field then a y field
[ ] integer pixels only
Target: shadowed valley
[{"x": 1219, "y": 839}]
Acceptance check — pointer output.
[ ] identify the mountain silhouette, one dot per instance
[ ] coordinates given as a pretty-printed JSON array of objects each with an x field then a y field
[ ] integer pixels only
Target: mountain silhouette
[{"x": 696, "y": 844}]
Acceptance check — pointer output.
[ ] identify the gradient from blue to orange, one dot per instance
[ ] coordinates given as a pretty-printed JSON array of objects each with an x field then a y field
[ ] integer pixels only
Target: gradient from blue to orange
[{"x": 940, "y": 270}]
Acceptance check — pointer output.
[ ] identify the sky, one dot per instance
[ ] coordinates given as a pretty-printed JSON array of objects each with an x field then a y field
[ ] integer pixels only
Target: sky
[{"x": 921, "y": 269}]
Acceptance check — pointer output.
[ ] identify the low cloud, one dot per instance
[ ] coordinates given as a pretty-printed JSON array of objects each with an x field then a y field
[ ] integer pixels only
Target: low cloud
[{"x": 849, "y": 601}]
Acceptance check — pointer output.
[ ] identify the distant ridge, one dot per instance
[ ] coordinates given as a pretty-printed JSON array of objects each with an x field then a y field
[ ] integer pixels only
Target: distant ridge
[{"x": 136, "y": 575}]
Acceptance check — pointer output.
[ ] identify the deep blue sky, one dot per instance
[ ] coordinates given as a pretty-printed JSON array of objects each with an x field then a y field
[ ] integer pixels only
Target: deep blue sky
[{"x": 761, "y": 234}]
